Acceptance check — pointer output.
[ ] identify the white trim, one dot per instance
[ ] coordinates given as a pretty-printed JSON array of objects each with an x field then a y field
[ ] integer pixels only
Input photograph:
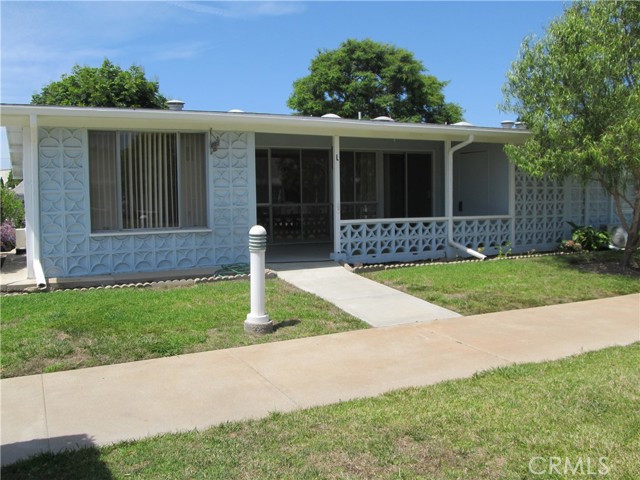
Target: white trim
[
  {"x": 38, "y": 271},
  {"x": 173, "y": 231},
  {"x": 251, "y": 165},
  {"x": 30, "y": 174},
  {"x": 512, "y": 200},
  {"x": 337, "y": 250},
  {"x": 91, "y": 117},
  {"x": 483, "y": 217},
  {"x": 398, "y": 220}
]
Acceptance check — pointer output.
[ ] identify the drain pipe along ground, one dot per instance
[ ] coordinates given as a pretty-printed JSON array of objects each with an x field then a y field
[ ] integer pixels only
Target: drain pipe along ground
[{"x": 449, "y": 205}]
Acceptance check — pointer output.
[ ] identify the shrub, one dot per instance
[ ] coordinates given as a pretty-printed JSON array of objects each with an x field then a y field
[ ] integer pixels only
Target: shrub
[
  {"x": 586, "y": 238},
  {"x": 7, "y": 237},
  {"x": 11, "y": 207}
]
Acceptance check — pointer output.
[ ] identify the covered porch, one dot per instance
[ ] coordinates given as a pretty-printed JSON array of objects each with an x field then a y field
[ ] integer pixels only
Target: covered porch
[{"x": 369, "y": 200}]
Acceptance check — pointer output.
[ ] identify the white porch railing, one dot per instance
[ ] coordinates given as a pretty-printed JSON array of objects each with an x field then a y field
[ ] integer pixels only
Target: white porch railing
[
  {"x": 487, "y": 234},
  {"x": 395, "y": 239},
  {"x": 412, "y": 239}
]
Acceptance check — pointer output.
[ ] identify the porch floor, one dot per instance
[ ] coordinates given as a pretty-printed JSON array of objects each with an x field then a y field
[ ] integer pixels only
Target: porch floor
[{"x": 301, "y": 252}]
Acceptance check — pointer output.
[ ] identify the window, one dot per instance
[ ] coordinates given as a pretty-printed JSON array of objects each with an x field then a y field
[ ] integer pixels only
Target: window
[
  {"x": 358, "y": 185},
  {"x": 147, "y": 180},
  {"x": 292, "y": 192},
  {"x": 408, "y": 185}
]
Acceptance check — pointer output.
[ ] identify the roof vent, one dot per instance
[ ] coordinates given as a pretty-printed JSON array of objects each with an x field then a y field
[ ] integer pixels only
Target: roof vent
[
  {"x": 330, "y": 115},
  {"x": 507, "y": 123},
  {"x": 384, "y": 119},
  {"x": 235, "y": 110},
  {"x": 520, "y": 125},
  {"x": 463, "y": 124},
  {"x": 175, "y": 105}
]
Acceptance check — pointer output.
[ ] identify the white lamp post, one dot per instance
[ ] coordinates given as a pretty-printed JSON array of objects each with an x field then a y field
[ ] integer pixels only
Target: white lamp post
[{"x": 257, "y": 321}]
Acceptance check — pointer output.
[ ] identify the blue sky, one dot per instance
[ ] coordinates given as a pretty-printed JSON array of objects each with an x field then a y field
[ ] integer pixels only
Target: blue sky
[{"x": 246, "y": 55}]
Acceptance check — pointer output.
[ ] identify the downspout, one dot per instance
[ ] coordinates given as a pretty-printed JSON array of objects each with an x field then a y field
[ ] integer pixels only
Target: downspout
[
  {"x": 38, "y": 272},
  {"x": 449, "y": 204}
]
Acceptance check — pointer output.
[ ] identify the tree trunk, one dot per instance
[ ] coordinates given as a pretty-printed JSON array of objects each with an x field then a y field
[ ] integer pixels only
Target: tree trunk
[{"x": 633, "y": 236}]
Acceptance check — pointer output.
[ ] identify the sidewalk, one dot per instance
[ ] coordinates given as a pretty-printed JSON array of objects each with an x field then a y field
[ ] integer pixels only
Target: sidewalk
[
  {"x": 372, "y": 302},
  {"x": 101, "y": 405}
]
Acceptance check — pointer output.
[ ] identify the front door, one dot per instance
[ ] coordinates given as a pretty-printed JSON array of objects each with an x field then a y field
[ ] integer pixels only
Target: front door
[{"x": 292, "y": 192}]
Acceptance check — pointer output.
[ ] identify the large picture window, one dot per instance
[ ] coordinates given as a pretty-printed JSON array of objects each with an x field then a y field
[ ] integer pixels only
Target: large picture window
[{"x": 147, "y": 180}]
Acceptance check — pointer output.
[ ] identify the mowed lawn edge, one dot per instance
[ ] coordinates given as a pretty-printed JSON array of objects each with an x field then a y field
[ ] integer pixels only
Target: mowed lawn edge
[
  {"x": 571, "y": 418},
  {"x": 63, "y": 330},
  {"x": 472, "y": 288}
]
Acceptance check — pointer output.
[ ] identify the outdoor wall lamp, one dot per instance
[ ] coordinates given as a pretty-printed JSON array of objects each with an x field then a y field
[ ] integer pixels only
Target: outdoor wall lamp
[{"x": 214, "y": 141}]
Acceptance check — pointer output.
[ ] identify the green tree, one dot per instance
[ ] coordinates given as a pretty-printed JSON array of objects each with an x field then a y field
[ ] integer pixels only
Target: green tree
[
  {"x": 373, "y": 79},
  {"x": 104, "y": 86},
  {"x": 577, "y": 90}
]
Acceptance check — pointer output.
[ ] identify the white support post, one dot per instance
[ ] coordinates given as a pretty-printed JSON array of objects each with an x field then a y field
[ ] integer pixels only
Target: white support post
[
  {"x": 337, "y": 251},
  {"x": 257, "y": 321},
  {"x": 512, "y": 202},
  {"x": 448, "y": 193}
]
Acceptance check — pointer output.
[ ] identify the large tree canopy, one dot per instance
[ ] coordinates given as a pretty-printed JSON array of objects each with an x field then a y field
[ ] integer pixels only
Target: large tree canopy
[
  {"x": 577, "y": 90},
  {"x": 104, "y": 86},
  {"x": 372, "y": 79}
]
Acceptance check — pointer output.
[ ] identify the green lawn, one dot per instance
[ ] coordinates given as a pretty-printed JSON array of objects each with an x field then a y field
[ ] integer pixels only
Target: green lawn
[
  {"x": 64, "y": 330},
  {"x": 471, "y": 288},
  {"x": 514, "y": 422}
]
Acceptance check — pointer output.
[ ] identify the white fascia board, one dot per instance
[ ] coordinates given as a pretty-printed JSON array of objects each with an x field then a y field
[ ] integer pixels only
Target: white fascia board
[{"x": 116, "y": 118}]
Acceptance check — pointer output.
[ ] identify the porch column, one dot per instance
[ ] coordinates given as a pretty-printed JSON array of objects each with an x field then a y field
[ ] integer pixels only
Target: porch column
[
  {"x": 448, "y": 191},
  {"x": 336, "y": 198},
  {"x": 512, "y": 202}
]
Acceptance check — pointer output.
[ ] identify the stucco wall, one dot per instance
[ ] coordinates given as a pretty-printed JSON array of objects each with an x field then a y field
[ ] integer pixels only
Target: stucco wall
[{"x": 69, "y": 249}]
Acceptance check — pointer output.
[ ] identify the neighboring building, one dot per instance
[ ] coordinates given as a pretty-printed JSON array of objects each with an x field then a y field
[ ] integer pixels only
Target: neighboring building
[{"x": 124, "y": 190}]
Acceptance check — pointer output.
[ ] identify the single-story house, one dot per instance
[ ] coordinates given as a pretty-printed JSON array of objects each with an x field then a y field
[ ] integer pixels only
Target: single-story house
[{"x": 133, "y": 190}]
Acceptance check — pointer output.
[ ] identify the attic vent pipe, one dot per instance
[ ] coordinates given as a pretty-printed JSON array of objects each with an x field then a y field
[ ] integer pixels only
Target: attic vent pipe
[{"x": 175, "y": 105}]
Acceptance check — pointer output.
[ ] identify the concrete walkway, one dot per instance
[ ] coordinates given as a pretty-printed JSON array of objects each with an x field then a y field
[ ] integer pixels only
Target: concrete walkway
[
  {"x": 372, "y": 302},
  {"x": 101, "y": 405}
]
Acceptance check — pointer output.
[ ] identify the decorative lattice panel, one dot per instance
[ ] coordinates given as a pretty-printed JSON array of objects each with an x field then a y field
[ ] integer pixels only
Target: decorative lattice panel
[
  {"x": 369, "y": 242},
  {"x": 598, "y": 206},
  {"x": 64, "y": 201},
  {"x": 485, "y": 234},
  {"x": 69, "y": 249},
  {"x": 540, "y": 217},
  {"x": 230, "y": 188}
]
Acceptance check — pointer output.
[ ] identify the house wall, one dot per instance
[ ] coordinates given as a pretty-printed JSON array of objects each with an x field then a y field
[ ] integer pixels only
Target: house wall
[
  {"x": 68, "y": 248},
  {"x": 544, "y": 209},
  {"x": 537, "y": 221},
  {"x": 480, "y": 181}
]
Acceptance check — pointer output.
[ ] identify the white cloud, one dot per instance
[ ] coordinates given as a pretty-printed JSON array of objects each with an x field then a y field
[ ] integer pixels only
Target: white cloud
[
  {"x": 43, "y": 40},
  {"x": 243, "y": 9},
  {"x": 180, "y": 50}
]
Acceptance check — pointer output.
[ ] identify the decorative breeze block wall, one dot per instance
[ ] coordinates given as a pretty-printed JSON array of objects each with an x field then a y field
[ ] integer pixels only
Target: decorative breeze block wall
[{"x": 69, "y": 249}]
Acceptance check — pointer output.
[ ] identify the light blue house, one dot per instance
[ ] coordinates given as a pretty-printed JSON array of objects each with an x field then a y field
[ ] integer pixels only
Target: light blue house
[{"x": 124, "y": 190}]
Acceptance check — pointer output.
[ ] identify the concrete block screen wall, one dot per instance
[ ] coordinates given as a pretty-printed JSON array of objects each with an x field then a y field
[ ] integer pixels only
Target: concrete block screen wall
[{"x": 69, "y": 248}]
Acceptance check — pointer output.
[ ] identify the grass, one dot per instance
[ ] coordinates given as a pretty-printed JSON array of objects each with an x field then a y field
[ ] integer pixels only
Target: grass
[
  {"x": 507, "y": 423},
  {"x": 75, "y": 329},
  {"x": 474, "y": 287}
]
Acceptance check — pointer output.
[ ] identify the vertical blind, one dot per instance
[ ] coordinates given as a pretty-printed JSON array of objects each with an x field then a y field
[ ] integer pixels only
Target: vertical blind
[
  {"x": 159, "y": 178},
  {"x": 103, "y": 181},
  {"x": 192, "y": 180}
]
